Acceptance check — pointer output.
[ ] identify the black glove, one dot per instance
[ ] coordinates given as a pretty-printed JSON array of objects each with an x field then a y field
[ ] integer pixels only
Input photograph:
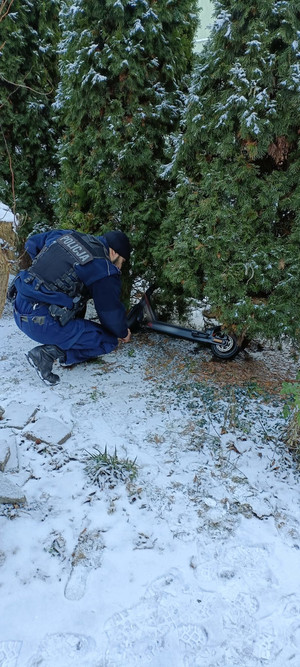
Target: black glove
[{"x": 12, "y": 291}]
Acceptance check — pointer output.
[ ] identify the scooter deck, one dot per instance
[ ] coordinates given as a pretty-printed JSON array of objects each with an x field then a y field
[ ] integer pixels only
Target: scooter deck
[{"x": 210, "y": 336}]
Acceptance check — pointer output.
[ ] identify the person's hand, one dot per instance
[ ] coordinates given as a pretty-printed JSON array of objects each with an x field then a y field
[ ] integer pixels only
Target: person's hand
[{"x": 127, "y": 339}]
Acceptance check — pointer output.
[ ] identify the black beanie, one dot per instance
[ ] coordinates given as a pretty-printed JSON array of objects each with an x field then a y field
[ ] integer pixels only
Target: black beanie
[{"x": 119, "y": 242}]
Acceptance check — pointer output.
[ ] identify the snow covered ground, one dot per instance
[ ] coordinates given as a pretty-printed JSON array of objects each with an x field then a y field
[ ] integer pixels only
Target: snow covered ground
[
  {"x": 195, "y": 562},
  {"x": 6, "y": 215}
]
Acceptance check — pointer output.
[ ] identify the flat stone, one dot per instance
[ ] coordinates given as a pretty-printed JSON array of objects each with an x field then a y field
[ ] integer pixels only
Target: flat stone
[
  {"x": 4, "y": 455},
  {"x": 10, "y": 492},
  {"x": 8, "y": 442},
  {"x": 48, "y": 430},
  {"x": 17, "y": 415}
]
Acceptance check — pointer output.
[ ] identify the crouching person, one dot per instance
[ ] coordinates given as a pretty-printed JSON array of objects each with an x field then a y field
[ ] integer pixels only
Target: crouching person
[{"x": 50, "y": 298}]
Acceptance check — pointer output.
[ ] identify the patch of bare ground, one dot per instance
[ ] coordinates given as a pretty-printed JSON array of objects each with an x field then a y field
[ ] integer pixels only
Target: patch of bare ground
[
  {"x": 267, "y": 367},
  {"x": 264, "y": 365}
]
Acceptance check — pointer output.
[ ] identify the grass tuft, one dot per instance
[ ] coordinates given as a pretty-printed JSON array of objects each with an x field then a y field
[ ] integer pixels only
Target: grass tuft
[{"x": 107, "y": 469}]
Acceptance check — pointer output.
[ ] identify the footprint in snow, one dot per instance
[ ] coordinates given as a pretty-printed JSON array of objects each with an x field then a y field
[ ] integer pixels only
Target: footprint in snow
[
  {"x": 9, "y": 652},
  {"x": 66, "y": 649},
  {"x": 87, "y": 556}
]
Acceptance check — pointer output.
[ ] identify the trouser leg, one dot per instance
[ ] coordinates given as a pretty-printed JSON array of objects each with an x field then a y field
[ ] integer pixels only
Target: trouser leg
[
  {"x": 80, "y": 339},
  {"x": 92, "y": 342}
]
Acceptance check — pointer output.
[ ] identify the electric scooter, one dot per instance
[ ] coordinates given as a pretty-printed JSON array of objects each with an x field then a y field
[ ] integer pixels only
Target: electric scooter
[{"x": 142, "y": 315}]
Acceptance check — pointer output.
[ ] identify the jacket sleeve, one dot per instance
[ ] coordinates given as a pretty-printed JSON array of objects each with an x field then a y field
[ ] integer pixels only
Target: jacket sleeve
[
  {"x": 111, "y": 312},
  {"x": 35, "y": 243}
]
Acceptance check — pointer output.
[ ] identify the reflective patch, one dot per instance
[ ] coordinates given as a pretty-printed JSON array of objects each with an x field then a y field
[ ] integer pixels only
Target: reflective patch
[{"x": 81, "y": 254}]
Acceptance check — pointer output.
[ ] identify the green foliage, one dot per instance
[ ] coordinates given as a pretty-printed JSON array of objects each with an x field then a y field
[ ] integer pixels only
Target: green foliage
[
  {"x": 293, "y": 391},
  {"x": 28, "y": 75},
  {"x": 123, "y": 72},
  {"x": 232, "y": 230},
  {"x": 292, "y": 411},
  {"x": 108, "y": 469}
]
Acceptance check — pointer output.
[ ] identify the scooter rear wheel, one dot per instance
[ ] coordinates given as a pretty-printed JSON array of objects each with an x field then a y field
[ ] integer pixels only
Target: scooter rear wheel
[{"x": 228, "y": 349}]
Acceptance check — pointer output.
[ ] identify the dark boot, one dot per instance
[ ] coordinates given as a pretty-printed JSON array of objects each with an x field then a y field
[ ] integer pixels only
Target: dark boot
[{"x": 42, "y": 358}]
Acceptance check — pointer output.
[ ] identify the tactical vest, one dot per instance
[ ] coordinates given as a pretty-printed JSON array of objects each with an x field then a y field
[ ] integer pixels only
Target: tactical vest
[{"x": 54, "y": 266}]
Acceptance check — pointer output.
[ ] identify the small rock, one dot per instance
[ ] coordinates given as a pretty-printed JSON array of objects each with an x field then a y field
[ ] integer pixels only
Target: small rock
[
  {"x": 1, "y": 412},
  {"x": 9, "y": 492}
]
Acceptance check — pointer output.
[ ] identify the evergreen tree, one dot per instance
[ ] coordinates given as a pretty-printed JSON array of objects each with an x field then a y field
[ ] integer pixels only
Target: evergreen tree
[
  {"x": 233, "y": 228},
  {"x": 123, "y": 68},
  {"x": 28, "y": 75}
]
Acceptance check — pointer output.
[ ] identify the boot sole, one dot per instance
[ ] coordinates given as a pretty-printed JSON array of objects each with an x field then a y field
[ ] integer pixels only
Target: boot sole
[{"x": 49, "y": 384}]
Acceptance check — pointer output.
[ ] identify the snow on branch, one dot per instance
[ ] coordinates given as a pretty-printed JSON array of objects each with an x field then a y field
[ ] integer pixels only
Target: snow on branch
[
  {"x": 251, "y": 121},
  {"x": 253, "y": 44},
  {"x": 222, "y": 22},
  {"x": 137, "y": 28},
  {"x": 93, "y": 78},
  {"x": 118, "y": 5},
  {"x": 239, "y": 73}
]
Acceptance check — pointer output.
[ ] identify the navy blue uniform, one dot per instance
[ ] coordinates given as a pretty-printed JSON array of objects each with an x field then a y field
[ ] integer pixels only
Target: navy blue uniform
[{"x": 99, "y": 279}]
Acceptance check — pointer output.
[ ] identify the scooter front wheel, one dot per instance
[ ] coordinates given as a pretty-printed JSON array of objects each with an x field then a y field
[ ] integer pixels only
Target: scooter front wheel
[{"x": 228, "y": 349}]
